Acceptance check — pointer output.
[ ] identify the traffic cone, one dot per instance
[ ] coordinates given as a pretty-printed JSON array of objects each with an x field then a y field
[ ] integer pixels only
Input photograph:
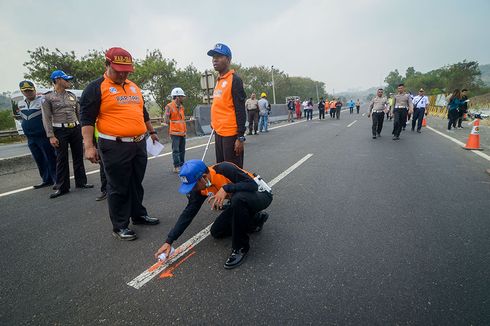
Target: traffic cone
[
  {"x": 474, "y": 139},
  {"x": 424, "y": 122}
]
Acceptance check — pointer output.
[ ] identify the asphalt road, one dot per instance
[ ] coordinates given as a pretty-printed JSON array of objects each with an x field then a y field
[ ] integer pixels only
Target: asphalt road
[{"x": 364, "y": 232}]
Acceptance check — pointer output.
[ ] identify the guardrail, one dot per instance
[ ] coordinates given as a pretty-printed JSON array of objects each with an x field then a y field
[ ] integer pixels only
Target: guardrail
[{"x": 8, "y": 133}]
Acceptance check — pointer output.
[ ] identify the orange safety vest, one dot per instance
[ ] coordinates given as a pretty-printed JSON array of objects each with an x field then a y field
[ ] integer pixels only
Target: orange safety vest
[
  {"x": 218, "y": 180},
  {"x": 176, "y": 115},
  {"x": 327, "y": 105},
  {"x": 121, "y": 109},
  {"x": 223, "y": 117},
  {"x": 332, "y": 104}
]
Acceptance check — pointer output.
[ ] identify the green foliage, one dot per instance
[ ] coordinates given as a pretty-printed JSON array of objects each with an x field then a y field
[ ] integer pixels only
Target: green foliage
[{"x": 6, "y": 120}]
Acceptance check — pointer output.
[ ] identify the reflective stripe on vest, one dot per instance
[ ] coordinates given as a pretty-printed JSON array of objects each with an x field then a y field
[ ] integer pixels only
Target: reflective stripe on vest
[
  {"x": 218, "y": 180},
  {"x": 177, "y": 125}
]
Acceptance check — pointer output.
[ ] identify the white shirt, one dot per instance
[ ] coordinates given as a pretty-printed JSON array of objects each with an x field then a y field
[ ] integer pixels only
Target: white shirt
[{"x": 420, "y": 101}]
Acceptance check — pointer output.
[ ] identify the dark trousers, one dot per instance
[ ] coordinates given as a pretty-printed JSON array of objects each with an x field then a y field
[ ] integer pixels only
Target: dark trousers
[
  {"x": 453, "y": 117},
  {"x": 418, "y": 116},
  {"x": 45, "y": 157},
  {"x": 253, "y": 120},
  {"x": 378, "y": 118},
  {"x": 357, "y": 108},
  {"x": 351, "y": 110},
  {"x": 309, "y": 114},
  {"x": 321, "y": 114},
  {"x": 400, "y": 120},
  {"x": 125, "y": 166},
  {"x": 332, "y": 113},
  {"x": 178, "y": 150},
  {"x": 103, "y": 177},
  {"x": 225, "y": 150},
  {"x": 238, "y": 219},
  {"x": 73, "y": 138},
  {"x": 460, "y": 117},
  {"x": 337, "y": 112}
]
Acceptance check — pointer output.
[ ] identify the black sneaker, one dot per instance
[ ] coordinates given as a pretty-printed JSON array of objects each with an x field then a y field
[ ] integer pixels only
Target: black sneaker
[
  {"x": 236, "y": 258},
  {"x": 124, "y": 234}
]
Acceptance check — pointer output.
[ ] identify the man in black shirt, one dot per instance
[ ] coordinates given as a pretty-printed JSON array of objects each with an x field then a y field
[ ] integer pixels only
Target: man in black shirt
[
  {"x": 216, "y": 183},
  {"x": 463, "y": 109}
]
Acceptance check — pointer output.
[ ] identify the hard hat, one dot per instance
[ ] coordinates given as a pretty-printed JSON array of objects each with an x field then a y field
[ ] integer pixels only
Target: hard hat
[
  {"x": 177, "y": 91},
  {"x": 263, "y": 94}
]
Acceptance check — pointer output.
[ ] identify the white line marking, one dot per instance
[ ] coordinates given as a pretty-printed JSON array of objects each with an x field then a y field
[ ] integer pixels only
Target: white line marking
[
  {"x": 350, "y": 124},
  {"x": 483, "y": 155},
  {"x": 363, "y": 114},
  {"x": 147, "y": 275}
]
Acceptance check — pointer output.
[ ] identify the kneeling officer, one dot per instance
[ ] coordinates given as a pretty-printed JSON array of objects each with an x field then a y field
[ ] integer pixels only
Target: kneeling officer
[{"x": 248, "y": 195}]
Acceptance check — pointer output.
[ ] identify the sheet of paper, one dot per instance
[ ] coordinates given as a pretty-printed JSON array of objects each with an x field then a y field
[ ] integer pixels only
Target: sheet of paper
[{"x": 153, "y": 148}]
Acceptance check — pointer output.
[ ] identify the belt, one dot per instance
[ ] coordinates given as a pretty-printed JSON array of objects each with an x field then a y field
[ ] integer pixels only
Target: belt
[
  {"x": 134, "y": 139},
  {"x": 378, "y": 111},
  {"x": 400, "y": 107},
  {"x": 66, "y": 125}
]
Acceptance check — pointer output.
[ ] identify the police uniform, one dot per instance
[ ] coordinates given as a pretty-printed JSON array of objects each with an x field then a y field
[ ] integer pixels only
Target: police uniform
[
  {"x": 61, "y": 115},
  {"x": 420, "y": 103},
  {"x": 177, "y": 130},
  {"x": 401, "y": 104},
  {"x": 376, "y": 109},
  {"x": 39, "y": 145}
]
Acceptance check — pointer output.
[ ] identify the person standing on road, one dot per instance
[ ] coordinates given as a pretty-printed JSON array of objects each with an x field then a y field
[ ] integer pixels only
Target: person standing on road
[
  {"x": 61, "y": 116},
  {"x": 216, "y": 183},
  {"x": 351, "y": 104},
  {"x": 175, "y": 118},
  {"x": 338, "y": 108},
  {"x": 30, "y": 110},
  {"x": 116, "y": 105},
  {"x": 402, "y": 105},
  {"x": 228, "y": 115},
  {"x": 455, "y": 103},
  {"x": 321, "y": 109},
  {"x": 291, "y": 108},
  {"x": 420, "y": 103},
  {"x": 377, "y": 108},
  {"x": 463, "y": 109},
  {"x": 309, "y": 110},
  {"x": 332, "y": 108},
  {"x": 252, "y": 106},
  {"x": 297, "y": 106},
  {"x": 264, "y": 110},
  {"x": 358, "y": 105}
]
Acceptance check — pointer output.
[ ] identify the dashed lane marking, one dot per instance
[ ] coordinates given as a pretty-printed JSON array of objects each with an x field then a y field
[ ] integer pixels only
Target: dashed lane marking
[{"x": 350, "y": 124}]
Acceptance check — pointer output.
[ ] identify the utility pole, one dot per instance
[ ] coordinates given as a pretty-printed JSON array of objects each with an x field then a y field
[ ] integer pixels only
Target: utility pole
[
  {"x": 317, "y": 97},
  {"x": 273, "y": 85}
]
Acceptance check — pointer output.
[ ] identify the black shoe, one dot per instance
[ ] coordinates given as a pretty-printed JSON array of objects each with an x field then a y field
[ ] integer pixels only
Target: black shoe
[
  {"x": 413, "y": 129},
  {"x": 42, "y": 185},
  {"x": 236, "y": 258},
  {"x": 419, "y": 131},
  {"x": 256, "y": 133},
  {"x": 85, "y": 186},
  {"x": 58, "y": 193},
  {"x": 249, "y": 133},
  {"x": 124, "y": 234},
  {"x": 374, "y": 136},
  {"x": 261, "y": 218},
  {"x": 146, "y": 220},
  {"x": 379, "y": 135},
  {"x": 396, "y": 138},
  {"x": 403, "y": 128},
  {"x": 56, "y": 187},
  {"x": 103, "y": 195}
]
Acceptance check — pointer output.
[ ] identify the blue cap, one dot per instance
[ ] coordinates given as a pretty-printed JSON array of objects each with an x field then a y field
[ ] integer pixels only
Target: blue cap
[
  {"x": 60, "y": 74},
  {"x": 220, "y": 49},
  {"x": 190, "y": 173}
]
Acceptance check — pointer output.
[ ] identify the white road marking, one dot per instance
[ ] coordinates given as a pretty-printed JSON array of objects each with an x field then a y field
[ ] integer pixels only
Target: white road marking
[
  {"x": 350, "y": 124},
  {"x": 483, "y": 155},
  {"x": 363, "y": 114},
  {"x": 147, "y": 275}
]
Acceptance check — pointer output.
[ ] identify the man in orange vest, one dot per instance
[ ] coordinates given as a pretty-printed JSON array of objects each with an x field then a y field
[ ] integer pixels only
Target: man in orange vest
[
  {"x": 175, "y": 118},
  {"x": 228, "y": 115},
  {"x": 249, "y": 196},
  {"x": 332, "y": 108},
  {"x": 116, "y": 105}
]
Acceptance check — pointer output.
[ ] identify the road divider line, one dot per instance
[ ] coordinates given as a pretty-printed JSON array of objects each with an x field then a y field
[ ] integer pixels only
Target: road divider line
[
  {"x": 158, "y": 267},
  {"x": 350, "y": 124},
  {"x": 483, "y": 155}
]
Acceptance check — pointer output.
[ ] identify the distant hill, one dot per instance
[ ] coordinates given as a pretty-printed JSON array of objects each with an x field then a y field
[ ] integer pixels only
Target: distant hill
[{"x": 485, "y": 74}]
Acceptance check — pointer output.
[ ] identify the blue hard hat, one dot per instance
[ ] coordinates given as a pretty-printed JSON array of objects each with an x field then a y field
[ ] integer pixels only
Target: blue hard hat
[
  {"x": 190, "y": 173},
  {"x": 220, "y": 49},
  {"x": 60, "y": 74}
]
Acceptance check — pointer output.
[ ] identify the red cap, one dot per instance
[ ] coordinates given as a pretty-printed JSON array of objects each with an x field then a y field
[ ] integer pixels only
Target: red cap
[{"x": 120, "y": 59}]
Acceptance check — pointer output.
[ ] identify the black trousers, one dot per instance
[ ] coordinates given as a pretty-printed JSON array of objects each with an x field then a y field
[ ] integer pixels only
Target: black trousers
[
  {"x": 253, "y": 121},
  {"x": 125, "y": 166},
  {"x": 103, "y": 178},
  {"x": 225, "y": 150},
  {"x": 178, "y": 150},
  {"x": 453, "y": 118},
  {"x": 378, "y": 118},
  {"x": 461, "y": 113},
  {"x": 332, "y": 113},
  {"x": 69, "y": 137},
  {"x": 418, "y": 116},
  {"x": 337, "y": 112},
  {"x": 238, "y": 219},
  {"x": 45, "y": 156},
  {"x": 321, "y": 114},
  {"x": 400, "y": 120},
  {"x": 357, "y": 108}
]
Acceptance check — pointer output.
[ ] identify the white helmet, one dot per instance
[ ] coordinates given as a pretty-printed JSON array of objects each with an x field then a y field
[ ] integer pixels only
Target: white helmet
[{"x": 177, "y": 91}]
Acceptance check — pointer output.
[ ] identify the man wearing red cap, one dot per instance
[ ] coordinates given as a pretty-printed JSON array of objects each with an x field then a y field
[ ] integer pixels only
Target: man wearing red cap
[{"x": 116, "y": 105}]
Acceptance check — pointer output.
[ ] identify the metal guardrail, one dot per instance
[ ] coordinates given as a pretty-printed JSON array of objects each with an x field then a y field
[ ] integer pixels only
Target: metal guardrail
[{"x": 8, "y": 133}]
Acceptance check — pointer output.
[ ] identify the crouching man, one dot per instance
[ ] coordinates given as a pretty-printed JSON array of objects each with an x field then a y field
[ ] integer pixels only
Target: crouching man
[{"x": 248, "y": 197}]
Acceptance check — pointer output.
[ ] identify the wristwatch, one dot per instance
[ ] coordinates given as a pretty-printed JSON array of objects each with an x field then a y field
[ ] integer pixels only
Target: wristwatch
[{"x": 242, "y": 138}]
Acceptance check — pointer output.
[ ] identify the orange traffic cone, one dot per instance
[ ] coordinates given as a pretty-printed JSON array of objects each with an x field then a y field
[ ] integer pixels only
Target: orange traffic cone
[
  {"x": 424, "y": 122},
  {"x": 474, "y": 139}
]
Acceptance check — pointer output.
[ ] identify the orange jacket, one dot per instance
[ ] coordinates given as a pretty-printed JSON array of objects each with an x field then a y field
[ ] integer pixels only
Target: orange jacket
[
  {"x": 176, "y": 117},
  {"x": 218, "y": 181}
]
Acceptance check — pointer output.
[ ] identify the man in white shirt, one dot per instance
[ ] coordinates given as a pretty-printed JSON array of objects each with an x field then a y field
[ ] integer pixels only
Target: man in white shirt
[{"x": 420, "y": 103}]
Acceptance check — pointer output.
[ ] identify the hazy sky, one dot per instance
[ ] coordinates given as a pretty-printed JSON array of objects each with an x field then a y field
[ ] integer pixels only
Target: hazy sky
[{"x": 345, "y": 43}]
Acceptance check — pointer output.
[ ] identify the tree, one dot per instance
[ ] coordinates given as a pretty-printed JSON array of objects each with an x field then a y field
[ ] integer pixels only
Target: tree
[{"x": 393, "y": 80}]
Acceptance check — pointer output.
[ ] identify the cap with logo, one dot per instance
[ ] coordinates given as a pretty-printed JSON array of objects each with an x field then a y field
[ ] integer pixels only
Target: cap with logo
[
  {"x": 421, "y": 90},
  {"x": 60, "y": 74},
  {"x": 120, "y": 59},
  {"x": 27, "y": 85},
  {"x": 190, "y": 173},
  {"x": 220, "y": 49}
]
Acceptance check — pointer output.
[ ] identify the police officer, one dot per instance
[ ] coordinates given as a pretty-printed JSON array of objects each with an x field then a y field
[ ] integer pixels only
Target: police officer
[
  {"x": 217, "y": 183},
  {"x": 402, "y": 105},
  {"x": 30, "y": 110},
  {"x": 61, "y": 115},
  {"x": 228, "y": 115},
  {"x": 116, "y": 104},
  {"x": 420, "y": 103},
  {"x": 175, "y": 118},
  {"x": 377, "y": 109}
]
